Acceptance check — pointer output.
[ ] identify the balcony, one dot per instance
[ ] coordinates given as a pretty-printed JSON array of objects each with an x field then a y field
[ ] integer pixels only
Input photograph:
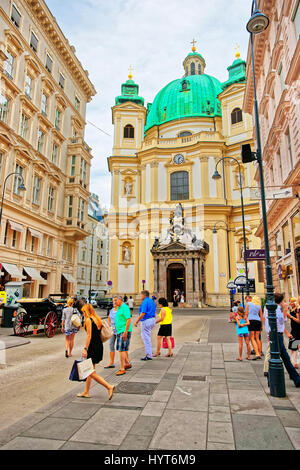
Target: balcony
[
  {"x": 75, "y": 229},
  {"x": 79, "y": 141},
  {"x": 203, "y": 136}
]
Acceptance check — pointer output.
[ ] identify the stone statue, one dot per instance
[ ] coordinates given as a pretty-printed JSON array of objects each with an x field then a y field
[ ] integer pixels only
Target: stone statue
[
  {"x": 128, "y": 188},
  {"x": 126, "y": 253},
  {"x": 178, "y": 211}
]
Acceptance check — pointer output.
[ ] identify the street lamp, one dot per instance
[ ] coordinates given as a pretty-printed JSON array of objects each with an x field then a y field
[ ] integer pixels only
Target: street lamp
[
  {"x": 217, "y": 176},
  {"x": 257, "y": 24},
  {"x": 21, "y": 187}
]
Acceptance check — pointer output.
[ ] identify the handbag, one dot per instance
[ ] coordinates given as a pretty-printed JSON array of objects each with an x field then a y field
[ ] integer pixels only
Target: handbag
[
  {"x": 75, "y": 320},
  {"x": 106, "y": 331},
  {"x": 293, "y": 344},
  {"x": 85, "y": 368},
  {"x": 74, "y": 376},
  {"x": 165, "y": 344}
]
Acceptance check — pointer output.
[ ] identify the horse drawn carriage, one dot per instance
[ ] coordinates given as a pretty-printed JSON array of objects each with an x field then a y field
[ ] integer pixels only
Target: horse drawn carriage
[{"x": 39, "y": 312}]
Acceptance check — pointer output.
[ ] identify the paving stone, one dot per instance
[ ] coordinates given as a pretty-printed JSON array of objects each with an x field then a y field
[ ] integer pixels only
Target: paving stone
[
  {"x": 166, "y": 385},
  {"x": 217, "y": 388},
  {"x": 294, "y": 435},
  {"x": 31, "y": 443},
  {"x": 294, "y": 397},
  {"x": 189, "y": 397},
  {"x": 153, "y": 409},
  {"x": 51, "y": 428},
  {"x": 219, "y": 399},
  {"x": 107, "y": 426},
  {"x": 216, "y": 379},
  {"x": 220, "y": 432},
  {"x": 235, "y": 384},
  {"x": 257, "y": 433},
  {"x": 254, "y": 402},
  {"x": 77, "y": 411},
  {"x": 145, "y": 425},
  {"x": 219, "y": 413},
  {"x": 289, "y": 418},
  {"x": 161, "y": 395},
  {"x": 135, "y": 442},
  {"x": 129, "y": 400},
  {"x": 219, "y": 446},
  {"x": 7, "y": 434},
  {"x": 219, "y": 372},
  {"x": 87, "y": 446},
  {"x": 144, "y": 379},
  {"x": 192, "y": 435}
]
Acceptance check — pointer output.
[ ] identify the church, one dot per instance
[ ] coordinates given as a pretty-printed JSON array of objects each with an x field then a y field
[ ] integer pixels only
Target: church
[{"x": 171, "y": 225}]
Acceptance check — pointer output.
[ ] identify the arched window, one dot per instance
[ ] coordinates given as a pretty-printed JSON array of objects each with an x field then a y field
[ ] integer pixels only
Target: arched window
[
  {"x": 179, "y": 186},
  {"x": 184, "y": 134},
  {"x": 129, "y": 132},
  {"x": 236, "y": 116},
  {"x": 199, "y": 69},
  {"x": 193, "y": 68}
]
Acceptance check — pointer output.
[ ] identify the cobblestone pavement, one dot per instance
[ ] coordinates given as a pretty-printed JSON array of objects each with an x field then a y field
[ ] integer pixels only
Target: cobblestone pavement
[{"x": 201, "y": 398}]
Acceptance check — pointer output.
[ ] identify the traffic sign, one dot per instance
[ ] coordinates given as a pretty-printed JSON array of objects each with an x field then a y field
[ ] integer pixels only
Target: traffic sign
[
  {"x": 240, "y": 281},
  {"x": 231, "y": 285},
  {"x": 272, "y": 194}
]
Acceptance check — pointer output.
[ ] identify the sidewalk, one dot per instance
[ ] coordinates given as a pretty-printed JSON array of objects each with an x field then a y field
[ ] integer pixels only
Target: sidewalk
[
  {"x": 202, "y": 398},
  {"x": 8, "y": 340}
]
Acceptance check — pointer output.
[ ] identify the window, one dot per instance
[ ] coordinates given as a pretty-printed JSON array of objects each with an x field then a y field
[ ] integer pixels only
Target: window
[
  {"x": 288, "y": 138},
  {"x": 44, "y": 104},
  {"x": 179, "y": 185},
  {"x": 15, "y": 16},
  {"x": 14, "y": 239},
  {"x": 82, "y": 273},
  {"x": 4, "y": 103},
  {"x": 193, "y": 68},
  {"x": 236, "y": 116},
  {"x": 70, "y": 206},
  {"x": 49, "y": 63},
  {"x": 80, "y": 214},
  {"x": 36, "y": 190},
  {"x": 73, "y": 165},
  {"x": 199, "y": 69},
  {"x": 129, "y": 132},
  {"x": 49, "y": 247},
  {"x": 77, "y": 104},
  {"x": 296, "y": 229},
  {"x": 280, "y": 166},
  {"x": 280, "y": 73},
  {"x": 57, "y": 119},
  {"x": 83, "y": 255},
  {"x": 184, "y": 134},
  {"x": 51, "y": 199},
  {"x": 17, "y": 180},
  {"x": 41, "y": 141},
  {"x": 61, "y": 81},
  {"x": 296, "y": 19},
  {"x": 33, "y": 244},
  {"x": 55, "y": 154},
  {"x": 286, "y": 239},
  {"x": 34, "y": 42},
  {"x": 9, "y": 65},
  {"x": 28, "y": 86},
  {"x": 83, "y": 166}
]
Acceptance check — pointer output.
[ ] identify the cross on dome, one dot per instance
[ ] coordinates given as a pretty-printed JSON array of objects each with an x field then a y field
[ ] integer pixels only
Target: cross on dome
[
  {"x": 194, "y": 47},
  {"x": 130, "y": 72}
]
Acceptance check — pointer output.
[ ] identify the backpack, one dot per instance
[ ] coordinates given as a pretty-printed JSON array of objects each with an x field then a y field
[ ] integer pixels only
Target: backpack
[{"x": 106, "y": 331}]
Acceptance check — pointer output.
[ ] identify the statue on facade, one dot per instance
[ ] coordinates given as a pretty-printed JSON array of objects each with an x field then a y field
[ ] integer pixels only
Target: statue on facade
[
  {"x": 178, "y": 211},
  {"x": 128, "y": 188},
  {"x": 126, "y": 254}
]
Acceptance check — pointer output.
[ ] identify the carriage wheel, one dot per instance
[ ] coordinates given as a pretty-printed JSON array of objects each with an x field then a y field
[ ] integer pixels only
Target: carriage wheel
[
  {"x": 51, "y": 324},
  {"x": 20, "y": 329}
]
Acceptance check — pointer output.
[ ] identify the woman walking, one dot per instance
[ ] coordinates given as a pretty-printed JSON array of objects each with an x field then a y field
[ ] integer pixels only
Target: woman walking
[
  {"x": 165, "y": 331},
  {"x": 68, "y": 328},
  {"x": 112, "y": 341},
  {"x": 294, "y": 315},
  {"x": 93, "y": 349},
  {"x": 242, "y": 332},
  {"x": 255, "y": 317}
]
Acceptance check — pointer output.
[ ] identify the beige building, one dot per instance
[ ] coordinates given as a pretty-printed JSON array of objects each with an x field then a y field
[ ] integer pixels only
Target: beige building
[
  {"x": 170, "y": 223},
  {"x": 43, "y": 97},
  {"x": 277, "y": 55}
]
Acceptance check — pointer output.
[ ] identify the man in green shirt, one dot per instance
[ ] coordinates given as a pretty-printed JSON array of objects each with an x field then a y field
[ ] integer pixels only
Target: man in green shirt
[{"x": 124, "y": 329}]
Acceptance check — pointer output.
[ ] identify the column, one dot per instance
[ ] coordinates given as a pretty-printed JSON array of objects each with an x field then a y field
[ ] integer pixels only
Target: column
[{"x": 189, "y": 280}]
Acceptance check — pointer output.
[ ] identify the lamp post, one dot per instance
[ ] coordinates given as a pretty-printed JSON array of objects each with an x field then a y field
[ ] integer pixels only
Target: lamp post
[
  {"x": 21, "y": 187},
  {"x": 257, "y": 24},
  {"x": 217, "y": 176},
  {"x": 228, "y": 253}
]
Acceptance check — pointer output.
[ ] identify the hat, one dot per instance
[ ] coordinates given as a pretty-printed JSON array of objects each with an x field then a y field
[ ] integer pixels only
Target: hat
[{"x": 293, "y": 299}]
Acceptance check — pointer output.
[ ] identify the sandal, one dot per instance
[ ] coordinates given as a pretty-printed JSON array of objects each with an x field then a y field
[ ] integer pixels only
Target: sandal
[
  {"x": 121, "y": 372},
  {"x": 128, "y": 367},
  {"x": 238, "y": 359},
  {"x": 156, "y": 354},
  {"x": 111, "y": 366},
  {"x": 66, "y": 353},
  {"x": 169, "y": 355},
  {"x": 82, "y": 395},
  {"x": 111, "y": 392}
]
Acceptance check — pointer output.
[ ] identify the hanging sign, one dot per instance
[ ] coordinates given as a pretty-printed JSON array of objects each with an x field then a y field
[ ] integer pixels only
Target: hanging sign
[{"x": 255, "y": 255}]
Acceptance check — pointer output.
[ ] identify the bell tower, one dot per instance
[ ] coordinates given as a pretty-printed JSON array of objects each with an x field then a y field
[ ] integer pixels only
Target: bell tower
[{"x": 194, "y": 63}]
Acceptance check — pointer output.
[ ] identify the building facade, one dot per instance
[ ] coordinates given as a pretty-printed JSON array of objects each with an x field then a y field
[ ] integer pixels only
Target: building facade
[
  {"x": 277, "y": 55},
  {"x": 92, "y": 270},
  {"x": 43, "y": 97},
  {"x": 170, "y": 224}
]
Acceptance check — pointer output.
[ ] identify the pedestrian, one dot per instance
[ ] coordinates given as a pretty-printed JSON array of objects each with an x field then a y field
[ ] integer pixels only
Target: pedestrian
[
  {"x": 147, "y": 319},
  {"x": 255, "y": 317},
  {"x": 294, "y": 315},
  {"x": 175, "y": 298},
  {"x": 165, "y": 320},
  {"x": 233, "y": 312},
  {"x": 131, "y": 304},
  {"x": 93, "y": 350},
  {"x": 112, "y": 341},
  {"x": 68, "y": 328},
  {"x": 280, "y": 317},
  {"x": 182, "y": 299},
  {"x": 125, "y": 298},
  {"x": 242, "y": 332},
  {"x": 124, "y": 330}
]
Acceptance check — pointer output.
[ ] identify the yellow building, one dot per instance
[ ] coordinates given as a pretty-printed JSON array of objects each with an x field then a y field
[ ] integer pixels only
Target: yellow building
[
  {"x": 170, "y": 222},
  {"x": 43, "y": 97}
]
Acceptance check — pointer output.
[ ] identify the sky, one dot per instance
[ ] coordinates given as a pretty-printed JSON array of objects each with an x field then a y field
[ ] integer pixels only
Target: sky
[{"x": 154, "y": 36}]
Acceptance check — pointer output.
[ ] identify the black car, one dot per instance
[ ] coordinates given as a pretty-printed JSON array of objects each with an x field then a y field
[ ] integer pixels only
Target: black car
[{"x": 105, "y": 304}]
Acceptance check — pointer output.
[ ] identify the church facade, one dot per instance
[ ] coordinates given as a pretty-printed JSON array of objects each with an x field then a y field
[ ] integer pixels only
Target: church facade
[{"x": 171, "y": 225}]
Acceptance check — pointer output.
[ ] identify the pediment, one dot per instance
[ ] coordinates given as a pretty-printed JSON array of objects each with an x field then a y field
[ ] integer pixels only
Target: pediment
[
  {"x": 234, "y": 88},
  {"x": 174, "y": 246}
]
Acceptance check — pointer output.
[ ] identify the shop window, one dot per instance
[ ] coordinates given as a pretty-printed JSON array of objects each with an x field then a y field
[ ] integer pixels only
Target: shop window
[
  {"x": 286, "y": 239},
  {"x": 128, "y": 132},
  {"x": 236, "y": 116},
  {"x": 179, "y": 186}
]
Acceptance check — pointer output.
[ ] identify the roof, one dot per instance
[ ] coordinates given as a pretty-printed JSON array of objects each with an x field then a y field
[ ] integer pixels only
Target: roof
[
  {"x": 129, "y": 92},
  {"x": 237, "y": 73}
]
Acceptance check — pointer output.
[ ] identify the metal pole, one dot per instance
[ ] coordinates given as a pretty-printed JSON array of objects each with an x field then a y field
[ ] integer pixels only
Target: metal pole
[
  {"x": 91, "y": 268},
  {"x": 4, "y": 186},
  {"x": 276, "y": 372}
]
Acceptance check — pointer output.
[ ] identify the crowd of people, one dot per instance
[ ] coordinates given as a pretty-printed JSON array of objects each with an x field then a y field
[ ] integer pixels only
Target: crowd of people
[
  {"x": 120, "y": 321},
  {"x": 250, "y": 321}
]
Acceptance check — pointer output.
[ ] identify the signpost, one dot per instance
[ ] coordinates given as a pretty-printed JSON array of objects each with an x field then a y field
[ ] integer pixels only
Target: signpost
[
  {"x": 272, "y": 194},
  {"x": 256, "y": 255}
]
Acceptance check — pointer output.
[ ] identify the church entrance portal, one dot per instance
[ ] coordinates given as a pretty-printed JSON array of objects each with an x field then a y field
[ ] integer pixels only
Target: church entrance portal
[{"x": 175, "y": 280}]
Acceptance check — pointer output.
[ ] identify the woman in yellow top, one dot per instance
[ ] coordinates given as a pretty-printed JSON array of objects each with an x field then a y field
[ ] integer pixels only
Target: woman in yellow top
[{"x": 165, "y": 320}]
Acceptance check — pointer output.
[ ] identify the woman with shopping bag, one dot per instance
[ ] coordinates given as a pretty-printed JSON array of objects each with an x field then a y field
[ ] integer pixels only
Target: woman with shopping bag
[
  {"x": 70, "y": 325},
  {"x": 93, "y": 349},
  {"x": 165, "y": 331}
]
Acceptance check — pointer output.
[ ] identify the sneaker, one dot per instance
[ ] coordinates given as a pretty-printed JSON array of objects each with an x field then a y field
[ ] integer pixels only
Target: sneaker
[
  {"x": 146, "y": 358},
  {"x": 297, "y": 384},
  {"x": 252, "y": 352}
]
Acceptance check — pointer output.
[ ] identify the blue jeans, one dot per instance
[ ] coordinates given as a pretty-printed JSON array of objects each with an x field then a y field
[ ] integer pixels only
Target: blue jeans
[{"x": 293, "y": 374}]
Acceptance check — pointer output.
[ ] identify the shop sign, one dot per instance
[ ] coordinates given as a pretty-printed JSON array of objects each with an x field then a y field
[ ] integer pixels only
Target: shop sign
[{"x": 256, "y": 255}]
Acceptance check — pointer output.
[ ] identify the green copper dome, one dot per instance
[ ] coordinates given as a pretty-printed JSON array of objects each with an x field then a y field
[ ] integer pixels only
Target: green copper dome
[{"x": 191, "y": 96}]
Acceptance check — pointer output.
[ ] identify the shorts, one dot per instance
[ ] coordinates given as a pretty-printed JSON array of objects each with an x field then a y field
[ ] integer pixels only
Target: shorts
[
  {"x": 71, "y": 332},
  {"x": 165, "y": 330},
  {"x": 255, "y": 325},
  {"x": 112, "y": 342},
  {"x": 243, "y": 335},
  {"x": 121, "y": 344}
]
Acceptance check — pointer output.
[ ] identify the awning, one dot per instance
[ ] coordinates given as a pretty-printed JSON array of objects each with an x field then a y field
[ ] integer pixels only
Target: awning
[
  {"x": 13, "y": 270},
  {"x": 16, "y": 227},
  {"x": 34, "y": 274},
  {"x": 68, "y": 277},
  {"x": 35, "y": 233}
]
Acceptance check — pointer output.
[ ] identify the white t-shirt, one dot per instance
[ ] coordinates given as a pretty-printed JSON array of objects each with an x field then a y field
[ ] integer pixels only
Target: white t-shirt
[
  {"x": 130, "y": 303},
  {"x": 280, "y": 320}
]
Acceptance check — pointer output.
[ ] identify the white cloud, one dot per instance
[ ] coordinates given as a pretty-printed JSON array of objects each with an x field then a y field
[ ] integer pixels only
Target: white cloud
[{"x": 152, "y": 35}]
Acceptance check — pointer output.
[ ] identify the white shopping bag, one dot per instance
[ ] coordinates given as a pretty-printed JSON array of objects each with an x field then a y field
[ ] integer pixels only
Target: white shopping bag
[{"x": 85, "y": 368}]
